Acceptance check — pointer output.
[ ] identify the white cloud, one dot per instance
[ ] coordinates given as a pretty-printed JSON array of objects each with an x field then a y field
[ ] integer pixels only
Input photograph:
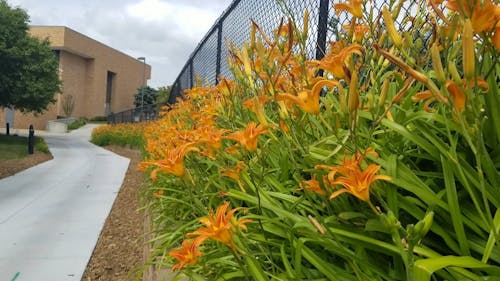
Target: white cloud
[
  {"x": 163, "y": 31},
  {"x": 149, "y": 10},
  {"x": 183, "y": 19}
]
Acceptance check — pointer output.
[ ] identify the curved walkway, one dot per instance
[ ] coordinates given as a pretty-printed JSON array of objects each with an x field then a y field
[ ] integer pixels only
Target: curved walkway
[{"x": 51, "y": 215}]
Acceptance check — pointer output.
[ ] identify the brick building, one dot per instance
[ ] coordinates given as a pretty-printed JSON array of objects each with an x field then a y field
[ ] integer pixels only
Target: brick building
[{"x": 99, "y": 79}]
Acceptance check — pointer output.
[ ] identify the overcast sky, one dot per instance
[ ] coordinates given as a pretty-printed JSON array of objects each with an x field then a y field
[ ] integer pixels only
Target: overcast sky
[{"x": 163, "y": 31}]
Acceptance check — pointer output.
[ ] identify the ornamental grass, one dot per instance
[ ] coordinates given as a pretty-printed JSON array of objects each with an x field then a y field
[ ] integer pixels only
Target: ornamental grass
[{"x": 379, "y": 161}]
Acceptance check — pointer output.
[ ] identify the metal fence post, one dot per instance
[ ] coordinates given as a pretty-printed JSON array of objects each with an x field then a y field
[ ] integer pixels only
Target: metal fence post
[
  {"x": 219, "y": 51},
  {"x": 7, "y": 128},
  {"x": 31, "y": 140},
  {"x": 191, "y": 74},
  {"x": 322, "y": 29}
]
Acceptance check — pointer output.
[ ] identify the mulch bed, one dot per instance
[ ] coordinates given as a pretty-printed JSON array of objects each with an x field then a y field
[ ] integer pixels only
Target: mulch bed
[{"x": 14, "y": 166}]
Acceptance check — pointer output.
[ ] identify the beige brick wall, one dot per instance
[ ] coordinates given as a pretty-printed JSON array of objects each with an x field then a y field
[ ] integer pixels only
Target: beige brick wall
[
  {"x": 74, "y": 83},
  {"x": 84, "y": 65}
]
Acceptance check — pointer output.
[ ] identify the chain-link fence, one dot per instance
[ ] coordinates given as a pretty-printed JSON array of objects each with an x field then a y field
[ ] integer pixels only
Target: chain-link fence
[
  {"x": 208, "y": 60},
  {"x": 145, "y": 113}
]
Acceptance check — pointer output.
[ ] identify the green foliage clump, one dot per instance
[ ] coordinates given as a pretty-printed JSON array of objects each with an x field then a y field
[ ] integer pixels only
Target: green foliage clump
[
  {"x": 29, "y": 68},
  {"x": 40, "y": 145},
  {"x": 126, "y": 134},
  {"x": 145, "y": 96},
  {"x": 77, "y": 124}
]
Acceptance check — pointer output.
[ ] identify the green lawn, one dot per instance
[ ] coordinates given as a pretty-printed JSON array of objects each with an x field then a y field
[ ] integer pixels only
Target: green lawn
[{"x": 15, "y": 147}]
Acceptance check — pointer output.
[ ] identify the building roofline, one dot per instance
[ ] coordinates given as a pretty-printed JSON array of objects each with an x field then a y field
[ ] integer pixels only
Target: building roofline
[{"x": 83, "y": 35}]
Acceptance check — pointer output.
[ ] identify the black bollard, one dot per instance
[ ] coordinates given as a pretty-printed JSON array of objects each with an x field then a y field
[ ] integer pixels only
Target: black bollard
[
  {"x": 7, "y": 128},
  {"x": 31, "y": 140}
]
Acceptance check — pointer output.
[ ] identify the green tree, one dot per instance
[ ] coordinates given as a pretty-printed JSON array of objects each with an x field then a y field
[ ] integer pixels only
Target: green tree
[
  {"x": 29, "y": 68},
  {"x": 162, "y": 97},
  {"x": 145, "y": 96},
  {"x": 163, "y": 94}
]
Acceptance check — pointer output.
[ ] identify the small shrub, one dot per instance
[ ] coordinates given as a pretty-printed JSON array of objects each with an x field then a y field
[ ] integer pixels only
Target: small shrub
[
  {"x": 40, "y": 145},
  {"x": 77, "y": 124},
  {"x": 68, "y": 105}
]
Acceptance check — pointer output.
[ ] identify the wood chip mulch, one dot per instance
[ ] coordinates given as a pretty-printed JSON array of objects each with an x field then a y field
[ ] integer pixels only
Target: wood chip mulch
[{"x": 14, "y": 166}]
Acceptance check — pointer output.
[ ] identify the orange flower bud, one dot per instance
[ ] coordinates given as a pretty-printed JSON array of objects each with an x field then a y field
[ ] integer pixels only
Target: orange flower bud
[
  {"x": 246, "y": 62},
  {"x": 452, "y": 69},
  {"x": 391, "y": 28},
  {"x": 383, "y": 92},
  {"x": 468, "y": 62},
  {"x": 353, "y": 101},
  {"x": 403, "y": 65},
  {"x": 436, "y": 63},
  {"x": 306, "y": 24}
]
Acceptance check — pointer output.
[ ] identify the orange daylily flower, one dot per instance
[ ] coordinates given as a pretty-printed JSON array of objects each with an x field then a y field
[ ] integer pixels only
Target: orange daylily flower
[
  {"x": 335, "y": 60},
  {"x": 426, "y": 96},
  {"x": 308, "y": 100},
  {"x": 354, "y": 180},
  {"x": 359, "y": 31},
  {"x": 249, "y": 136},
  {"x": 256, "y": 105},
  {"x": 197, "y": 92},
  {"x": 186, "y": 255},
  {"x": 313, "y": 185},
  {"x": 234, "y": 173},
  {"x": 211, "y": 136},
  {"x": 357, "y": 182},
  {"x": 354, "y": 7},
  {"x": 483, "y": 15},
  {"x": 173, "y": 164},
  {"x": 220, "y": 227},
  {"x": 496, "y": 37},
  {"x": 457, "y": 94},
  {"x": 225, "y": 86},
  {"x": 158, "y": 193}
]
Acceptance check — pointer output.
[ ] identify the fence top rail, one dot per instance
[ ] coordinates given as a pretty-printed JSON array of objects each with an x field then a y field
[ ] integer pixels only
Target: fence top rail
[
  {"x": 212, "y": 29},
  {"x": 206, "y": 61}
]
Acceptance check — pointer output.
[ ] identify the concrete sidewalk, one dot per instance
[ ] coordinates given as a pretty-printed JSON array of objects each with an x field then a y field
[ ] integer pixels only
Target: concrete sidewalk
[{"x": 51, "y": 215}]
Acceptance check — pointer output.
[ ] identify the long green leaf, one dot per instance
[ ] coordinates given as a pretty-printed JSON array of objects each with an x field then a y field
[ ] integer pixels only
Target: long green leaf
[
  {"x": 493, "y": 108},
  {"x": 456, "y": 215},
  {"x": 493, "y": 238},
  {"x": 255, "y": 269},
  {"x": 324, "y": 267},
  {"x": 267, "y": 205},
  {"x": 412, "y": 137},
  {"x": 286, "y": 262},
  {"x": 408, "y": 180},
  {"x": 424, "y": 268}
]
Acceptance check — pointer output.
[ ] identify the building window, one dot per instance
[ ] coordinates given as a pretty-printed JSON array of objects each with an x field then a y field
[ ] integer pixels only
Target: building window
[{"x": 109, "y": 91}]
